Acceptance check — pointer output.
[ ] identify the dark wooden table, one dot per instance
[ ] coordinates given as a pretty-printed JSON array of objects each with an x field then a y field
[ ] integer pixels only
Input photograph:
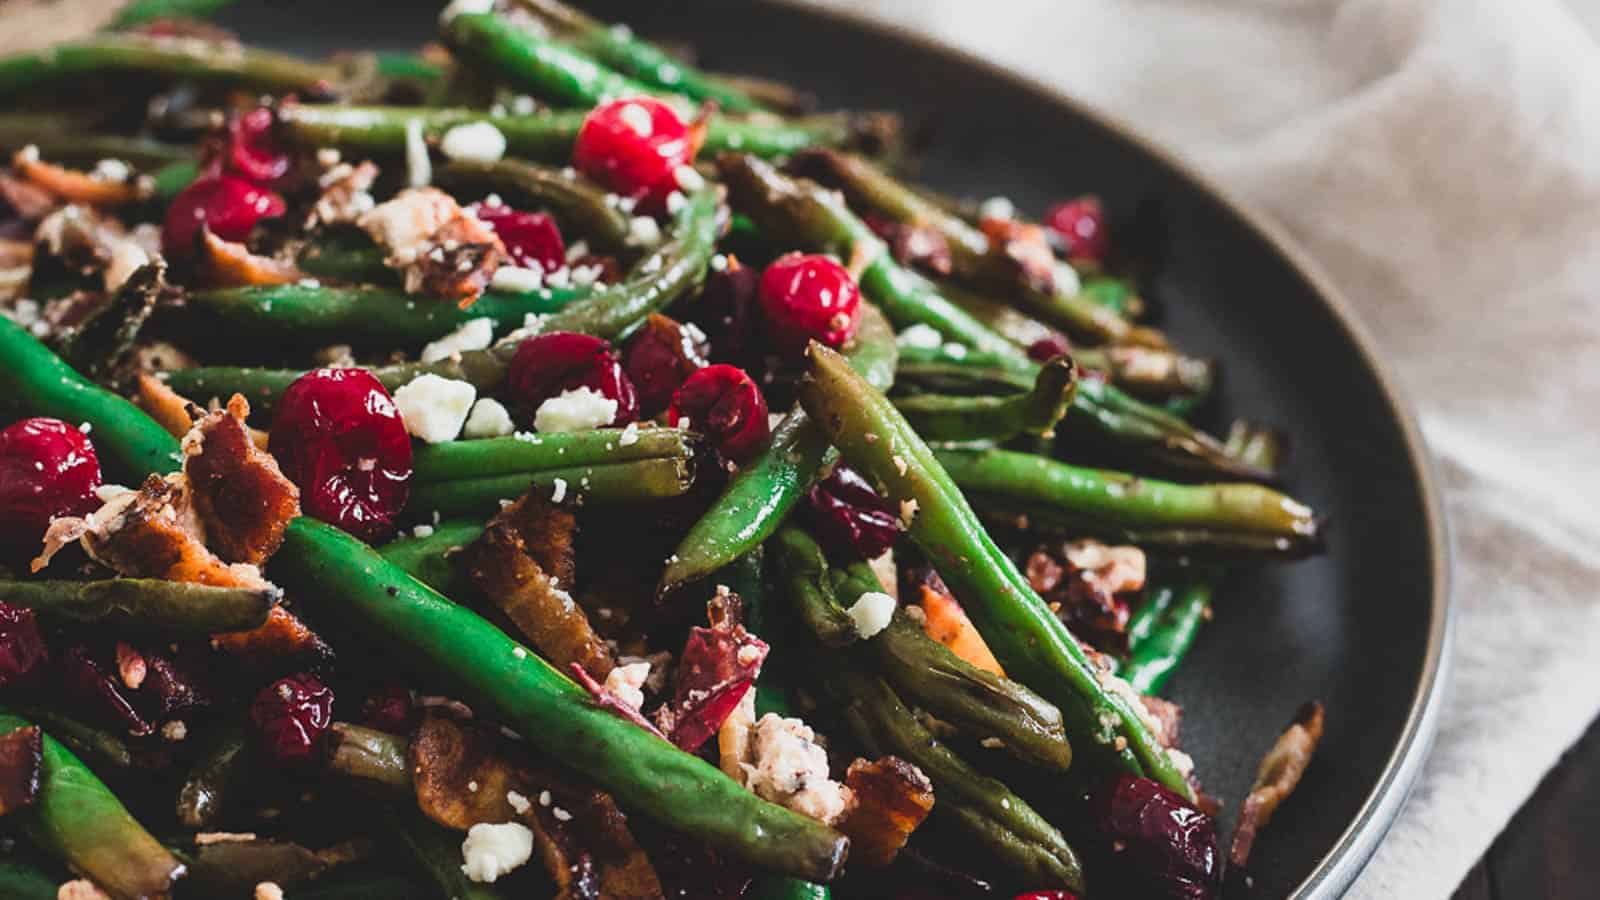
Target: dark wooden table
[{"x": 1551, "y": 849}]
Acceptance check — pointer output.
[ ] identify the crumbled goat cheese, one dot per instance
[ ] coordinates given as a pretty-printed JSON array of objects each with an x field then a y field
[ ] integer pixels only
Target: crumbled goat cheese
[
  {"x": 1066, "y": 279},
  {"x": 175, "y": 730},
  {"x": 871, "y": 613},
  {"x": 688, "y": 179},
  {"x": 789, "y": 767},
  {"x": 105, "y": 493},
  {"x": 494, "y": 850},
  {"x": 488, "y": 419},
  {"x": 558, "y": 492},
  {"x": 577, "y": 250},
  {"x": 644, "y": 231},
  {"x": 127, "y": 257},
  {"x": 475, "y": 142},
  {"x": 676, "y": 201},
  {"x": 422, "y": 531},
  {"x": 629, "y": 436},
  {"x": 517, "y": 278},
  {"x": 465, "y": 7},
  {"x": 579, "y": 409},
  {"x": 268, "y": 890},
  {"x": 434, "y": 408},
  {"x": 518, "y": 802},
  {"x": 474, "y": 334},
  {"x": 114, "y": 170},
  {"x": 626, "y": 683},
  {"x": 921, "y": 337},
  {"x": 522, "y": 105},
  {"x": 419, "y": 169},
  {"x": 997, "y": 208}
]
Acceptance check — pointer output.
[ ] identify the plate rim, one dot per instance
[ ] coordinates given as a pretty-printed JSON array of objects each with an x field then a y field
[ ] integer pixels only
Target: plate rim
[{"x": 1349, "y": 855}]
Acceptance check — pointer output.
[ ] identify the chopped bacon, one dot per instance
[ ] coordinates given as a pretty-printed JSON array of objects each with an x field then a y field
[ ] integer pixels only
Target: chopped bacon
[
  {"x": 718, "y": 666},
  {"x": 443, "y": 251},
  {"x": 1087, "y": 584},
  {"x": 1276, "y": 779},
  {"x": 346, "y": 194},
  {"x": 892, "y": 797},
  {"x": 231, "y": 264},
  {"x": 244, "y": 501},
  {"x": 914, "y": 244},
  {"x": 1170, "y": 717},
  {"x": 21, "y": 763},
  {"x": 1024, "y": 246}
]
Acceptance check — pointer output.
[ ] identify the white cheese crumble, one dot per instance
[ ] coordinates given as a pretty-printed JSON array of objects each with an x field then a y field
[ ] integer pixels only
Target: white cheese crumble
[
  {"x": 114, "y": 170},
  {"x": 434, "y": 408},
  {"x": 419, "y": 169},
  {"x": 997, "y": 208},
  {"x": 488, "y": 419},
  {"x": 422, "y": 531},
  {"x": 475, "y": 142},
  {"x": 638, "y": 118},
  {"x": 474, "y": 334},
  {"x": 626, "y": 683},
  {"x": 871, "y": 613},
  {"x": 558, "y": 491},
  {"x": 126, "y": 258},
  {"x": 789, "y": 767},
  {"x": 629, "y": 436},
  {"x": 921, "y": 337},
  {"x": 688, "y": 179},
  {"x": 644, "y": 231},
  {"x": 518, "y": 279},
  {"x": 579, "y": 409},
  {"x": 465, "y": 7},
  {"x": 518, "y": 802},
  {"x": 1066, "y": 279},
  {"x": 494, "y": 850}
]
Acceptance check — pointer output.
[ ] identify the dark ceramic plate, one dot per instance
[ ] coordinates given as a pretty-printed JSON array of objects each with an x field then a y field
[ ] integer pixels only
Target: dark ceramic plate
[{"x": 1362, "y": 627}]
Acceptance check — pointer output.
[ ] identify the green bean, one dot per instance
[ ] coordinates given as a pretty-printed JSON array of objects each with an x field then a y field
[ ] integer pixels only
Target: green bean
[
  {"x": 1123, "y": 507},
  {"x": 220, "y": 768},
  {"x": 528, "y": 61},
  {"x": 1028, "y": 639},
  {"x": 548, "y": 137},
  {"x": 79, "y": 820},
  {"x": 367, "y": 886},
  {"x": 805, "y": 571},
  {"x": 1156, "y": 434},
  {"x": 761, "y": 494},
  {"x": 578, "y": 203},
  {"x": 1115, "y": 294},
  {"x": 71, "y": 140},
  {"x": 140, "y": 12},
  {"x": 643, "y": 772},
  {"x": 772, "y": 887},
  {"x": 175, "y": 58},
  {"x": 346, "y": 253},
  {"x": 370, "y": 755},
  {"x": 527, "y": 453},
  {"x": 427, "y": 558},
  {"x": 172, "y": 178},
  {"x": 616, "y": 46},
  {"x": 21, "y": 881},
  {"x": 625, "y": 482},
  {"x": 1003, "y": 318},
  {"x": 438, "y": 851},
  {"x": 146, "y": 604},
  {"x": 100, "y": 746},
  {"x": 949, "y": 418},
  {"x": 1155, "y": 656}
]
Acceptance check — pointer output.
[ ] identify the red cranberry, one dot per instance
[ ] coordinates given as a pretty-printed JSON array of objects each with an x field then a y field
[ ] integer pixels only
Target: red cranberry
[
  {"x": 47, "y": 469},
  {"x": 851, "y": 518},
  {"x": 388, "y": 708},
  {"x": 530, "y": 237},
  {"x": 227, "y": 204},
  {"x": 548, "y": 364},
  {"x": 634, "y": 146},
  {"x": 724, "y": 404},
  {"x": 21, "y": 645},
  {"x": 1161, "y": 846},
  {"x": 291, "y": 715},
  {"x": 1080, "y": 226},
  {"x": 659, "y": 358},
  {"x": 339, "y": 437},
  {"x": 85, "y": 682},
  {"x": 1048, "y": 348},
  {"x": 809, "y": 298},
  {"x": 728, "y": 313},
  {"x": 252, "y": 153}
]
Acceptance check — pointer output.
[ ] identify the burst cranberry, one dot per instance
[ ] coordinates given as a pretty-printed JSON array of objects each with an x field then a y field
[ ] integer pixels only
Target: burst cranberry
[
  {"x": 1080, "y": 226},
  {"x": 86, "y": 682},
  {"x": 851, "y": 518},
  {"x": 809, "y": 298},
  {"x": 548, "y": 364},
  {"x": 724, "y": 404},
  {"x": 1048, "y": 348},
  {"x": 635, "y": 147},
  {"x": 729, "y": 312},
  {"x": 339, "y": 437},
  {"x": 252, "y": 153},
  {"x": 291, "y": 715},
  {"x": 1160, "y": 846},
  {"x": 21, "y": 646},
  {"x": 658, "y": 359},
  {"x": 47, "y": 469},
  {"x": 227, "y": 204},
  {"x": 531, "y": 238},
  {"x": 388, "y": 708}
]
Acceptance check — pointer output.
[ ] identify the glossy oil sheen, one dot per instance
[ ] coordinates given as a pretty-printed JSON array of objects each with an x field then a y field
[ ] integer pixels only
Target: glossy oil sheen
[{"x": 1360, "y": 628}]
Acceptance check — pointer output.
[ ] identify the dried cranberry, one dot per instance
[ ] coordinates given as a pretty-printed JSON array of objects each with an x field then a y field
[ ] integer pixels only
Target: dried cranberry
[
  {"x": 851, "y": 518},
  {"x": 809, "y": 298},
  {"x": 252, "y": 153},
  {"x": 1080, "y": 226},
  {"x": 717, "y": 667},
  {"x": 47, "y": 469},
  {"x": 1160, "y": 845},
  {"x": 227, "y": 204},
  {"x": 659, "y": 358},
  {"x": 724, "y": 404},
  {"x": 84, "y": 681},
  {"x": 1048, "y": 348},
  {"x": 291, "y": 715},
  {"x": 22, "y": 647},
  {"x": 338, "y": 435},
  {"x": 635, "y": 146},
  {"x": 548, "y": 364},
  {"x": 728, "y": 312},
  {"x": 169, "y": 689},
  {"x": 388, "y": 708},
  {"x": 531, "y": 238}
]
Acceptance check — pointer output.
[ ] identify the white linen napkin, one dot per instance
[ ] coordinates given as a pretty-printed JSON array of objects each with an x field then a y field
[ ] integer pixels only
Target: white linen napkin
[{"x": 1441, "y": 160}]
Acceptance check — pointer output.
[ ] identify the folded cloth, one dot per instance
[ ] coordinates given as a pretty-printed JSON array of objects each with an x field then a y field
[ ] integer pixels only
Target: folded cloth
[{"x": 1441, "y": 160}]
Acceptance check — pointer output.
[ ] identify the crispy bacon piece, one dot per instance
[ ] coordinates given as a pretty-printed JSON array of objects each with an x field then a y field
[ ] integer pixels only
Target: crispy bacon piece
[
  {"x": 244, "y": 501},
  {"x": 717, "y": 668},
  {"x": 21, "y": 762},
  {"x": 231, "y": 264},
  {"x": 346, "y": 194},
  {"x": 914, "y": 244},
  {"x": 892, "y": 797},
  {"x": 525, "y": 564},
  {"x": 1276, "y": 779},
  {"x": 74, "y": 186},
  {"x": 1087, "y": 584},
  {"x": 1168, "y": 715},
  {"x": 1023, "y": 246},
  {"x": 442, "y": 250}
]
